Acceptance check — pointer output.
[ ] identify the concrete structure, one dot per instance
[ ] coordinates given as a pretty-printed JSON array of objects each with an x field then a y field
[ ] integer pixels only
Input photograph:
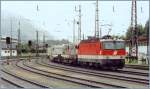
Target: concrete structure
[
  {"x": 5, "y": 49},
  {"x": 6, "y": 52}
]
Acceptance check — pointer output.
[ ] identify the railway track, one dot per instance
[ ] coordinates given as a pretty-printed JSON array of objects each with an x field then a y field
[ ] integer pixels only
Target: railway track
[
  {"x": 18, "y": 81},
  {"x": 15, "y": 80},
  {"x": 4, "y": 83},
  {"x": 40, "y": 68},
  {"x": 99, "y": 74},
  {"x": 7, "y": 72},
  {"x": 123, "y": 71},
  {"x": 130, "y": 72},
  {"x": 120, "y": 73},
  {"x": 87, "y": 82},
  {"x": 37, "y": 79},
  {"x": 142, "y": 67},
  {"x": 9, "y": 84}
]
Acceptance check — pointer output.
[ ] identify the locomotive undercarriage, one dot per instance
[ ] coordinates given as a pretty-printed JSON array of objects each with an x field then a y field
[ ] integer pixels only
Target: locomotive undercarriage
[{"x": 105, "y": 64}]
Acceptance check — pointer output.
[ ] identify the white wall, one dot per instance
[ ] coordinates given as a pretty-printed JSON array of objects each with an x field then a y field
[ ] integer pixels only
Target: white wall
[{"x": 6, "y": 53}]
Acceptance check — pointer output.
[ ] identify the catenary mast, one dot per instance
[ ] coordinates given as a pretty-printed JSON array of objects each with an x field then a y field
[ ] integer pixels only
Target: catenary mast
[
  {"x": 97, "y": 32},
  {"x": 133, "y": 49}
]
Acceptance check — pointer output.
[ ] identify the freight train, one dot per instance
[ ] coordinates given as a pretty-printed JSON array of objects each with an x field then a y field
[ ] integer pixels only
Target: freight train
[{"x": 105, "y": 53}]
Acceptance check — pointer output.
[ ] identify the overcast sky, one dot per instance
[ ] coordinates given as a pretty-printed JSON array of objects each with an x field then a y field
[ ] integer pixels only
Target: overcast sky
[{"x": 56, "y": 16}]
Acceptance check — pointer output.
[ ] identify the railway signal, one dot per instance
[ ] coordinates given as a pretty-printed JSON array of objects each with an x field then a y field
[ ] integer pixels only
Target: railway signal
[
  {"x": 7, "y": 43},
  {"x": 7, "y": 40},
  {"x": 29, "y": 44},
  {"x": 46, "y": 45}
]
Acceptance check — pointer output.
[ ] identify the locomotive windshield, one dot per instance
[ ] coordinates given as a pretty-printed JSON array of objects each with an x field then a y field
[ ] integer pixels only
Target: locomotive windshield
[{"x": 114, "y": 45}]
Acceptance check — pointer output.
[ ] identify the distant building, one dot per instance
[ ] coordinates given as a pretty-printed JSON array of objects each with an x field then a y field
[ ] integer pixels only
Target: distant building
[{"x": 6, "y": 48}]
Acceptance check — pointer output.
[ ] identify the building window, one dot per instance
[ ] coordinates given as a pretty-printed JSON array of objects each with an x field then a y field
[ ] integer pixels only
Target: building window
[
  {"x": 13, "y": 51},
  {"x": 5, "y": 51},
  {"x": 8, "y": 51}
]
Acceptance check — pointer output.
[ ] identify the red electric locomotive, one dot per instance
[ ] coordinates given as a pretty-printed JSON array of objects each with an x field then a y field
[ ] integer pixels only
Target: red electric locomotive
[{"x": 105, "y": 53}]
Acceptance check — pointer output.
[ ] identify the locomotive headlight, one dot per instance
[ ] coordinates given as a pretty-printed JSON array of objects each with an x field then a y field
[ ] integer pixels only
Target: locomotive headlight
[{"x": 100, "y": 52}]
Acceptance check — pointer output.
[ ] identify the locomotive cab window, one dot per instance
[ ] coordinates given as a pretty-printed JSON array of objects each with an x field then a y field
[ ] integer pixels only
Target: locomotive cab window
[
  {"x": 114, "y": 45},
  {"x": 108, "y": 45},
  {"x": 120, "y": 45}
]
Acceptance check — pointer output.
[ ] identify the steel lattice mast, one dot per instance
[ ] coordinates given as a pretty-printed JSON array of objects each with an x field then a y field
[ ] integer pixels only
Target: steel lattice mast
[
  {"x": 44, "y": 41},
  {"x": 0, "y": 42},
  {"x": 74, "y": 22},
  {"x": 97, "y": 32},
  {"x": 79, "y": 24},
  {"x": 133, "y": 51},
  {"x": 37, "y": 43},
  {"x": 11, "y": 38},
  {"x": 37, "y": 37}
]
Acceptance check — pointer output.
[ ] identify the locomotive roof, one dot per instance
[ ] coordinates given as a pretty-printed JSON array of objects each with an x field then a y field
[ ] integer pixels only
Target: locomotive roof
[
  {"x": 89, "y": 40},
  {"x": 111, "y": 40},
  {"x": 92, "y": 39}
]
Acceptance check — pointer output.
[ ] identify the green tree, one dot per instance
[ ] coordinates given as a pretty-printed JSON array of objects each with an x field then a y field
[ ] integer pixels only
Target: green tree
[
  {"x": 146, "y": 29},
  {"x": 140, "y": 30},
  {"x": 128, "y": 33}
]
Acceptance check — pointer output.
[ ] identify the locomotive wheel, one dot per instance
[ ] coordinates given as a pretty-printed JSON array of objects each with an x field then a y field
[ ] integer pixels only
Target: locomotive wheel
[
  {"x": 87, "y": 63},
  {"x": 81, "y": 63},
  {"x": 84, "y": 64},
  {"x": 97, "y": 65}
]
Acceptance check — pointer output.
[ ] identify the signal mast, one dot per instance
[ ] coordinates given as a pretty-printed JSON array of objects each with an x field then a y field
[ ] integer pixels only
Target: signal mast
[{"x": 79, "y": 25}]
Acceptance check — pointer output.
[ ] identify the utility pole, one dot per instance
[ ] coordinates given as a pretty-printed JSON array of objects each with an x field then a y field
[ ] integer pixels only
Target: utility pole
[
  {"x": 133, "y": 49},
  {"x": 37, "y": 44},
  {"x": 95, "y": 24},
  {"x": 83, "y": 36},
  {"x": 0, "y": 43},
  {"x": 43, "y": 41},
  {"x": 148, "y": 45},
  {"x": 74, "y": 31},
  {"x": 19, "y": 41},
  {"x": 11, "y": 39},
  {"x": 97, "y": 32}
]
